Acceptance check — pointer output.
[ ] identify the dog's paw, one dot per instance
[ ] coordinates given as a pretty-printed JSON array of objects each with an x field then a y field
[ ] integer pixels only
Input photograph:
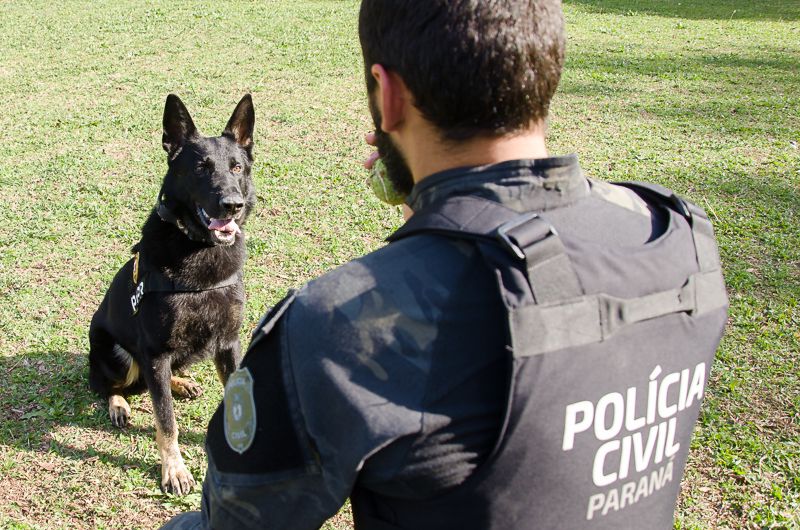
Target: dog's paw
[
  {"x": 175, "y": 478},
  {"x": 185, "y": 388},
  {"x": 119, "y": 411}
]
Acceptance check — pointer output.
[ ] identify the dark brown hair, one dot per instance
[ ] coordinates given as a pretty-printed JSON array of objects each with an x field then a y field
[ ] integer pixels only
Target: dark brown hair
[{"x": 474, "y": 67}]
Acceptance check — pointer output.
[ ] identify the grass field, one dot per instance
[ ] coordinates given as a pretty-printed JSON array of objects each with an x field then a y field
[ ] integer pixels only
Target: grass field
[{"x": 701, "y": 96}]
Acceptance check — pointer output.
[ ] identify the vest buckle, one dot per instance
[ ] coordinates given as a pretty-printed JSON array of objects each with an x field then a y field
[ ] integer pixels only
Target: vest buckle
[{"x": 517, "y": 240}]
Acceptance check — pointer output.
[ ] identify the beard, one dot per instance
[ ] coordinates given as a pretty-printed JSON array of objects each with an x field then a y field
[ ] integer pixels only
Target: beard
[{"x": 397, "y": 170}]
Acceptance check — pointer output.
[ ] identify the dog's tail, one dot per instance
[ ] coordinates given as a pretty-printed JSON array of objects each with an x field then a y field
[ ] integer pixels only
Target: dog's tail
[
  {"x": 128, "y": 364},
  {"x": 110, "y": 374},
  {"x": 111, "y": 367}
]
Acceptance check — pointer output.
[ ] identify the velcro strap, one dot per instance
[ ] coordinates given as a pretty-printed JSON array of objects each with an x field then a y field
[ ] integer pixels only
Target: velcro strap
[
  {"x": 704, "y": 243},
  {"x": 710, "y": 291},
  {"x": 537, "y": 329},
  {"x": 158, "y": 283},
  {"x": 550, "y": 272},
  {"x": 617, "y": 312},
  {"x": 155, "y": 282}
]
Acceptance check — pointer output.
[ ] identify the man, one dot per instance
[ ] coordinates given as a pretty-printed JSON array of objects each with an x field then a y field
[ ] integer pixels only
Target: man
[{"x": 529, "y": 351}]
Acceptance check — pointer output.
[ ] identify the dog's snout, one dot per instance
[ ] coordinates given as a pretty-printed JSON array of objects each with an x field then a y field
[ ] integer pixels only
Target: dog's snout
[{"x": 232, "y": 204}]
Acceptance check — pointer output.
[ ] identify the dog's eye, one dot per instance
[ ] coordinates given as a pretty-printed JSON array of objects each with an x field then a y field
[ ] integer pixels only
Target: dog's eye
[{"x": 237, "y": 168}]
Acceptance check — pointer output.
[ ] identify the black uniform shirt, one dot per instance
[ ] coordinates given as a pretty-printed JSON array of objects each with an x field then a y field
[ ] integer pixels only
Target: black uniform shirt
[{"x": 392, "y": 370}]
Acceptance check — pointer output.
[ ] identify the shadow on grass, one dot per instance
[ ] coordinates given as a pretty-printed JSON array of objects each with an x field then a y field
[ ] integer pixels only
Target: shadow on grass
[
  {"x": 46, "y": 390},
  {"x": 697, "y": 9},
  {"x": 724, "y": 94},
  {"x": 764, "y": 67}
]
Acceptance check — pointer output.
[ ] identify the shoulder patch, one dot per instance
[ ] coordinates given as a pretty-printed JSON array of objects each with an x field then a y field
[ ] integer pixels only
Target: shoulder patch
[
  {"x": 621, "y": 196},
  {"x": 240, "y": 411}
]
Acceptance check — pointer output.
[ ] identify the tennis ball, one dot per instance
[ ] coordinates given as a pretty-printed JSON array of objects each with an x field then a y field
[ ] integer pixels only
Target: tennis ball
[{"x": 382, "y": 186}]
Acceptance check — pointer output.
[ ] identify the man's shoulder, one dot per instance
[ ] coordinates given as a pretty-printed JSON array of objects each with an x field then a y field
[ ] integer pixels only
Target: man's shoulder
[
  {"x": 406, "y": 266},
  {"x": 360, "y": 338},
  {"x": 371, "y": 315}
]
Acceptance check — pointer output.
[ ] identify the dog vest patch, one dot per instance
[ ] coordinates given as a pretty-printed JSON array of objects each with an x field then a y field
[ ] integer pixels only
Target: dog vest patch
[
  {"x": 240, "y": 411},
  {"x": 136, "y": 297}
]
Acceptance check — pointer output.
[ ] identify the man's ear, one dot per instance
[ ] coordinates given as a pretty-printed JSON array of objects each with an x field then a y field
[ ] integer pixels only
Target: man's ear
[
  {"x": 392, "y": 97},
  {"x": 240, "y": 126},
  {"x": 178, "y": 126}
]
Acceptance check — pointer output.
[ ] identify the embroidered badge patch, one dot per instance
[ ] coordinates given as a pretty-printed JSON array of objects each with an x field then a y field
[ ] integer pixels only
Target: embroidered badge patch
[{"x": 240, "y": 411}]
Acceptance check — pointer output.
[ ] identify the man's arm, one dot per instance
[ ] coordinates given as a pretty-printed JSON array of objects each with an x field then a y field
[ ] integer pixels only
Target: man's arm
[
  {"x": 330, "y": 387},
  {"x": 276, "y": 482}
]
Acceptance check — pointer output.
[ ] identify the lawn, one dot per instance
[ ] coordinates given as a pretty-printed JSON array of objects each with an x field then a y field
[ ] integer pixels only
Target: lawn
[{"x": 701, "y": 96}]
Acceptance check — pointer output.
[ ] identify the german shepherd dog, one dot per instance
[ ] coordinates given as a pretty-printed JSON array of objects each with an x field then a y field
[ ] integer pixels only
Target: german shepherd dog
[{"x": 181, "y": 298}]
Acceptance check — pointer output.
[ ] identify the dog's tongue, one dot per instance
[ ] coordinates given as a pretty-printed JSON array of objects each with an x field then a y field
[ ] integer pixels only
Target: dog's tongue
[{"x": 224, "y": 225}]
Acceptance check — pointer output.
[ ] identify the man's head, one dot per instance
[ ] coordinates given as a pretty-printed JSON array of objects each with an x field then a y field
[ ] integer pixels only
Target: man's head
[{"x": 474, "y": 68}]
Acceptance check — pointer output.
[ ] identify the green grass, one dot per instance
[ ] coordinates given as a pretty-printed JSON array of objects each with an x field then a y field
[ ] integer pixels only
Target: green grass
[{"x": 702, "y": 96}]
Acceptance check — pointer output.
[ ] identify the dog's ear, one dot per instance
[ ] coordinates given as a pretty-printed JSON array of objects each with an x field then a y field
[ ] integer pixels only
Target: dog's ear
[
  {"x": 243, "y": 120},
  {"x": 178, "y": 126}
]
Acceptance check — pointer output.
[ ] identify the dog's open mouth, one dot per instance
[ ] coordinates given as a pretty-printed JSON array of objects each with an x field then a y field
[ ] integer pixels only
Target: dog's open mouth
[{"x": 222, "y": 230}]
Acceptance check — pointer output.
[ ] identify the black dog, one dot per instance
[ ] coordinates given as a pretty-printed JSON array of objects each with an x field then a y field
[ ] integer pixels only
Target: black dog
[{"x": 181, "y": 298}]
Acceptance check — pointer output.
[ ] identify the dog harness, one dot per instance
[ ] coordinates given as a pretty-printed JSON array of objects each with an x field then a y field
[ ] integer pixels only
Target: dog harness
[
  {"x": 604, "y": 390},
  {"x": 146, "y": 280}
]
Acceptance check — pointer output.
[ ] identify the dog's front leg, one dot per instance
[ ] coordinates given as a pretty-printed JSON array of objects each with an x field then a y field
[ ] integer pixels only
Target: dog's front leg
[
  {"x": 227, "y": 360},
  {"x": 175, "y": 478}
]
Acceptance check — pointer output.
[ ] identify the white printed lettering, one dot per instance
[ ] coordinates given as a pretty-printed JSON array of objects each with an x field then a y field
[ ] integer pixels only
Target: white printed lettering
[
  {"x": 652, "y": 395},
  {"x": 698, "y": 382},
  {"x": 571, "y": 424},
  {"x": 615, "y": 400},
  {"x": 627, "y": 494},
  {"x": 672, "y": 447},
  {"x": 595, "y": 503},
  {"x": 684, "y": 389},
  {"x": 641, "y": 489},
  {"x": 642, "y": 455},
  {"x": 662, "y": 440},
  {"x": 612, "y": 501},
  {"x": 632, "y": 423},
  {"x": 598, "y": 477},
  {"x": 625, "y": 458},
  {"x": 636, "y": 434},
  {"x": 656, "y": 480},
  {"x": 664, "y": 410},
  {"x": 630, "y": 492}
]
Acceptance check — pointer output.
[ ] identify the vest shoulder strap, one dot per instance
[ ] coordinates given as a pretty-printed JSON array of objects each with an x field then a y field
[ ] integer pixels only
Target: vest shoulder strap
[
  {"x": 145, "y": 280},
  {"x": 702, "y": 230},
  {"x": 561, "y": 314},
  {"x": 156, "y": 282},
  {"x": 528, "y": 239}
]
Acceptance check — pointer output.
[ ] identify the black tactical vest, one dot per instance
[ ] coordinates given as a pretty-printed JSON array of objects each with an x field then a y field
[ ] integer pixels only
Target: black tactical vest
[{"x": 611, "y": 352}]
